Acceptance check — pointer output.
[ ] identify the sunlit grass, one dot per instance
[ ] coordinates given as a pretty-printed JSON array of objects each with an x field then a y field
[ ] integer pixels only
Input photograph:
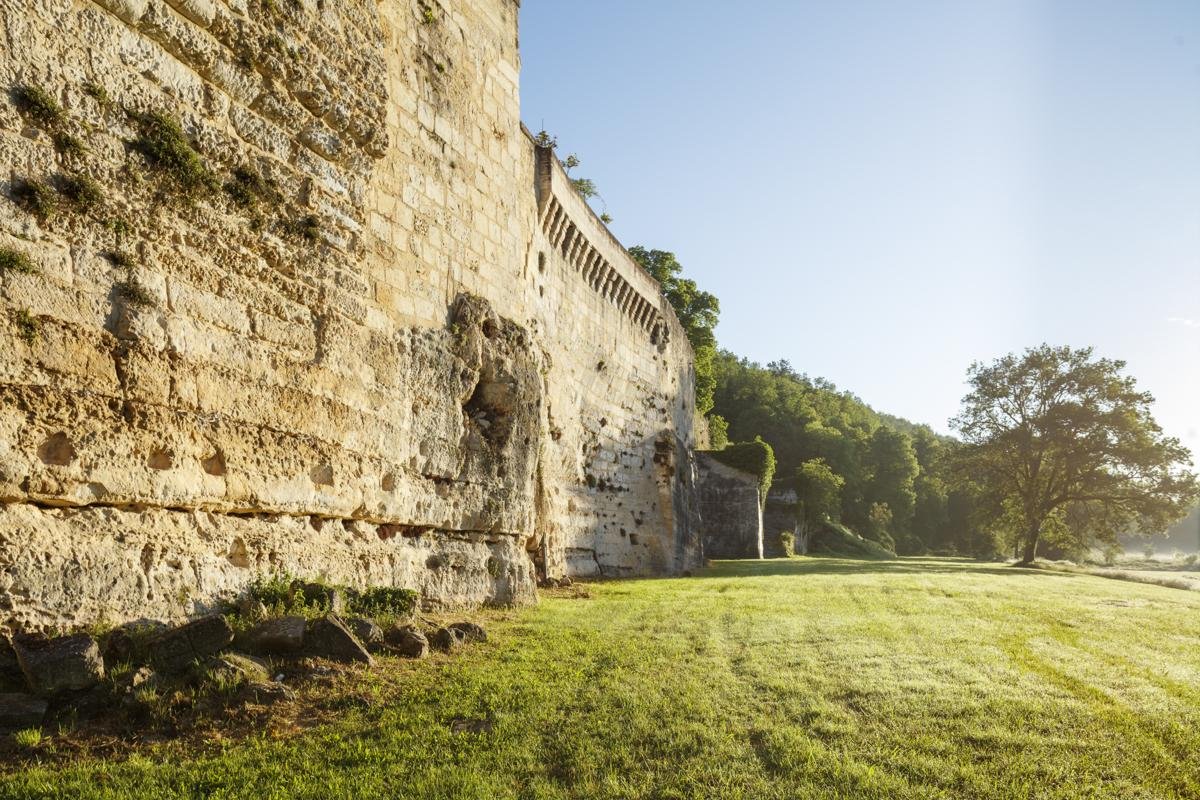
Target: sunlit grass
[{"x": 780, "y": 679}]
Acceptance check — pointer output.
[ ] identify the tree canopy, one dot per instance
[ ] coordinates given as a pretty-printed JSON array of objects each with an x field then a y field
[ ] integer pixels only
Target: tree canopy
[
  {"x": 818, "y": 498},
  {"x": 1062, "y": 443}
]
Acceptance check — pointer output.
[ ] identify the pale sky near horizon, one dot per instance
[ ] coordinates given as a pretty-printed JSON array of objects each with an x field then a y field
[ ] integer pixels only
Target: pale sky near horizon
[{"x": 883, "y": 192}]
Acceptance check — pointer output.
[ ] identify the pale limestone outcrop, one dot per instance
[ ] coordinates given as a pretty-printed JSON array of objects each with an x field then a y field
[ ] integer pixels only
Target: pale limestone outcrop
[{"x": 387, "y": 343}]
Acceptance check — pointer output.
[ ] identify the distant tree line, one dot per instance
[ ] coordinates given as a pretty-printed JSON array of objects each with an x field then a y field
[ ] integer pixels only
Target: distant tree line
[{"x": 1058, "y": 454}]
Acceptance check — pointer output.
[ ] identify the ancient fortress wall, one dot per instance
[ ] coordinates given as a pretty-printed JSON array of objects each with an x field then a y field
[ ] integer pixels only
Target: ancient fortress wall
[{"x": 379, "y": 340}]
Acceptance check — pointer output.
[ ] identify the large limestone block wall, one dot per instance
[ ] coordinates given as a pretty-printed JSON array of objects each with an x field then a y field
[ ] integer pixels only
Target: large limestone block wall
[
  {"x": 731, "y": 510},
  {"x": 351, "y": 352},
  {"x": 619, "y": 496}
]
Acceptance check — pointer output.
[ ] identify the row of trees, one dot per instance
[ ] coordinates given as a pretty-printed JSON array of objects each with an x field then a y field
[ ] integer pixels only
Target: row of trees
[
  {"x": 848, "y": 462},
  {"x": 1057, "y": 449}
]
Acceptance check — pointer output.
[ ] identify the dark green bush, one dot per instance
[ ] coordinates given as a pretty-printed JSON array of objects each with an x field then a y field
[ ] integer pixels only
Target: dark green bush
[
  {"x": 383, "y": 601},
  {"x": 284, "y": 594},
  {"x": 787, "y": 543}
]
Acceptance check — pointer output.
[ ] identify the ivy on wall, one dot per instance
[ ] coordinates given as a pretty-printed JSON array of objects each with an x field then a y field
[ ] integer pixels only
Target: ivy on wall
[{"x": 756, "y": 458}]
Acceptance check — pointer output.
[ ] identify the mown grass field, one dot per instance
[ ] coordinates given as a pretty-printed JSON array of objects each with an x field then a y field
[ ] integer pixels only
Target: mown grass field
[{"x": 820, "y": 678}]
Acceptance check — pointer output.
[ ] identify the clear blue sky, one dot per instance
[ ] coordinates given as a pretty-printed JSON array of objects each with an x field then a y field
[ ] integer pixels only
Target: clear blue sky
[{"x": 883, "y": 192}]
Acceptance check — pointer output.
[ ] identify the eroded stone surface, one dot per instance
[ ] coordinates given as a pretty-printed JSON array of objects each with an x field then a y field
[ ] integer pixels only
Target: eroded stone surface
[{"x": 408, "y": 355}]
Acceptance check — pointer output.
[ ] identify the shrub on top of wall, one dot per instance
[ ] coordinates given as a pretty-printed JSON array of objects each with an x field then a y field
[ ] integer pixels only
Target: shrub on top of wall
[{"x": 755, "y": 457}]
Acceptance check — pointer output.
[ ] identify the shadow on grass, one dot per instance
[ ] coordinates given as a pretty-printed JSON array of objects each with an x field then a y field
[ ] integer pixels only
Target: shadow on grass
[{"x": 833, "y": 565}]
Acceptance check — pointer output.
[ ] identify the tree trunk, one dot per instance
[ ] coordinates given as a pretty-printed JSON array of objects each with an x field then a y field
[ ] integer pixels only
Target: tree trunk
[
  {"x": 801, "y": 538},
  {"x": 1031, "y": 543}
]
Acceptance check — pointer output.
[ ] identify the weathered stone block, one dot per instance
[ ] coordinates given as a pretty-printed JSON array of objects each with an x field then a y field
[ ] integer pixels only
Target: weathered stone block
[
  {"x": 328, "y": 637},
  {"x": 472, "y": 632},
  {"x": 408, "y": 641},
  {"x": 367, "y": 631},
  {"x": 175, "y": 650},
  {"x": 64, "y": 663},
  {"x": 19, "y": 711},
  {"x": 281, "y": 636},
  {"x": 447, "y": 640}
]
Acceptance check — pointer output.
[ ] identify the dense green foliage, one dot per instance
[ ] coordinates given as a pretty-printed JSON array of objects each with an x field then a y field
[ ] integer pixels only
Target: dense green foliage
[
  {"x": 1065, "y": 448},
  {"x": 697, "y": 311},
  {"x": 899, "y": 469},
  {"x": 756, "y": 458},
  {"x": 283, "y": 594},
  {"x": 756, "y": 680},
  {"x": 818, "y": 498}
]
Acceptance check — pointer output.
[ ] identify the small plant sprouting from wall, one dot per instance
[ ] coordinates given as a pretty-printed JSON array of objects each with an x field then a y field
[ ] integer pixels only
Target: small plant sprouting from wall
[
  {"x": 544, "y": 139},
  {"x": 69, "y": 145},
  {"x": 119, "y": 258},
  {"x": 606, "y": 218},
  {"x": 28, "y": 326},
  {"x": 17, "y": 262},
  {"x": 308, "y": 228},
  {"x": 134, "y": 293},
  {"x": 119, "y": 227},
  {"x": 35, "y": 197},
  {"x": 247, "y": 187},
  {"x": 83, "y": 193},
  {"x": 98, "y": 93},
  {"x": 586, "y": 187},
  {"x": 37, "y": 104},
  {"x": 163, "y": 144}
]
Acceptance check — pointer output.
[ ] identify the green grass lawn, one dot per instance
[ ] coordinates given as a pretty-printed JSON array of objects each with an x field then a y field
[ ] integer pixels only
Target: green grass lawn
[{"x": 823, "y": 678}]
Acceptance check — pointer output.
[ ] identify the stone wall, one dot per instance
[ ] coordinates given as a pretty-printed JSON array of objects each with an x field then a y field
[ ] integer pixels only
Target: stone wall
[
  {"x": 779, "y": 514},
  {"x": 730, "y": 510},
  {"x": 370, "y": 335}
]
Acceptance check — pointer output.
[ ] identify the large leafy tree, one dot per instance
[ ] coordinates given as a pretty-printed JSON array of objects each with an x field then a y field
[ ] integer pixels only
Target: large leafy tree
[
  {"x": 697, "y": 310},
  {"x": 894, "y": 468},
  {"x": 818, "y": 497},
  {"x": 1063, "y": 442}
]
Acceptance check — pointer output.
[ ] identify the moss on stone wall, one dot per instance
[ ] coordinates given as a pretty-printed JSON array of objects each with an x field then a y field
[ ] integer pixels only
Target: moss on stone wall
[{"x": 756, "y": 458}]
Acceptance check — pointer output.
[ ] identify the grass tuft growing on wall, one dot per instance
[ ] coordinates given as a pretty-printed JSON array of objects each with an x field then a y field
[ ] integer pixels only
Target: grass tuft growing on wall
[
  {"x": 83, "y": 193},
  {"x": 29, "y": 328},
  {"x": 166, "y": 148},
  {"x": 36, "y": 198},
  {"x": 17, "y": 262},
  {"x": 38, "y": 105}
]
